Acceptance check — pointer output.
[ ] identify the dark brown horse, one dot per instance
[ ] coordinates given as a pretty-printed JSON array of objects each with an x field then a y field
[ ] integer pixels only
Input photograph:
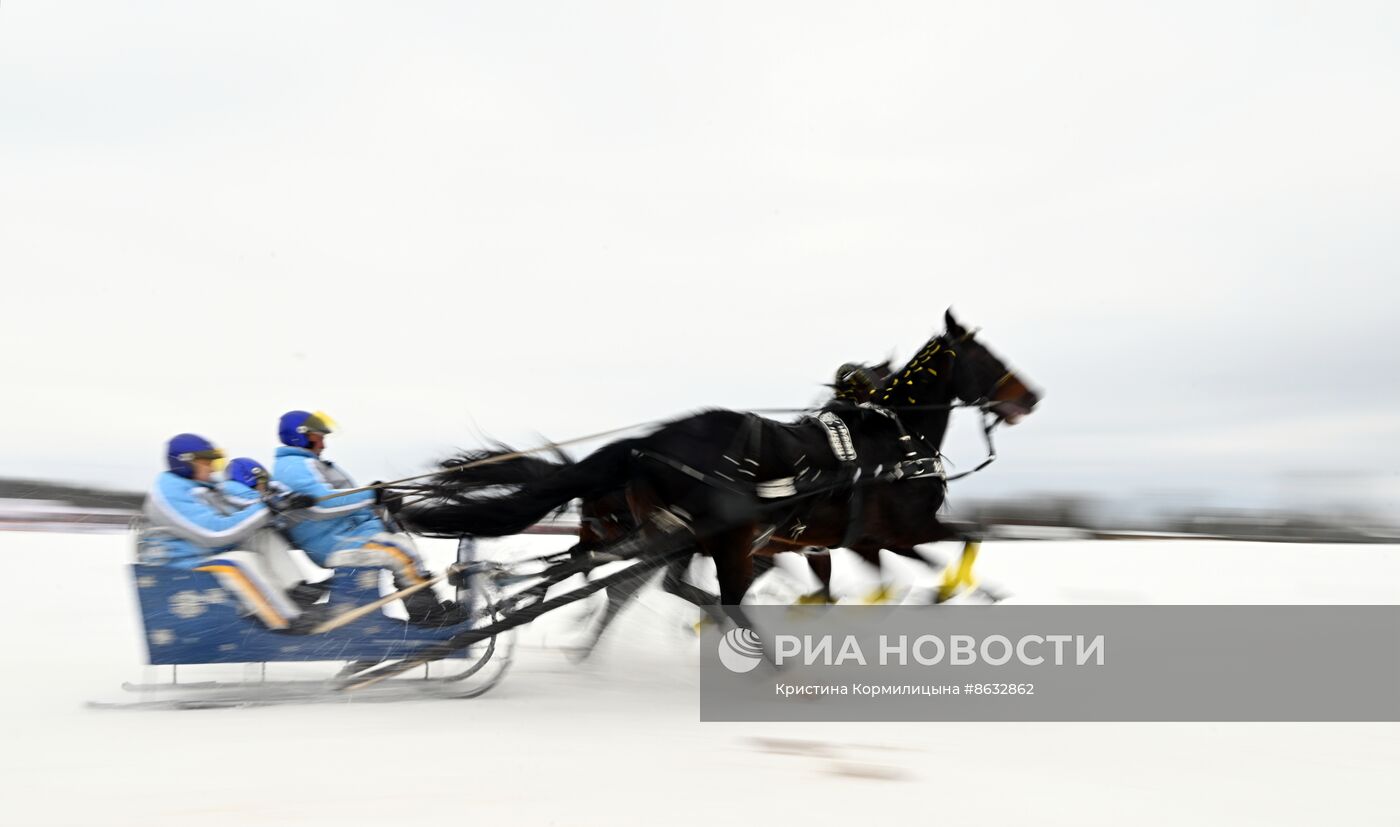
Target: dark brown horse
[{"x": 729, "y": 483}]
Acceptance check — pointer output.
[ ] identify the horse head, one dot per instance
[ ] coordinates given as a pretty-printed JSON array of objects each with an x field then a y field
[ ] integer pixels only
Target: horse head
[
  {"x": 981, "y": 376},
  {"x": 957, "y": 365}
]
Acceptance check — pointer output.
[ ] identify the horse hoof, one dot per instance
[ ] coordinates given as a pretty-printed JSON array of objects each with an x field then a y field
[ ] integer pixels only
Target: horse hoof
[
  {"x": 698, "y": 627},
  {"x": 949, "y": 591},
  {"x": 884, "y": 594},
  {"x": 815, "y": 599}
]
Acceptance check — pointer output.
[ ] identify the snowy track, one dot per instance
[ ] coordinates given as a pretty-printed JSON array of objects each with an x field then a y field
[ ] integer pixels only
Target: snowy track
[{"x": 617, "y": 741}]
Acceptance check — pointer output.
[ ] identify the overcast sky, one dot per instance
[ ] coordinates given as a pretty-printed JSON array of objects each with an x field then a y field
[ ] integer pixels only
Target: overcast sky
[{"x": 444, "y": 221}]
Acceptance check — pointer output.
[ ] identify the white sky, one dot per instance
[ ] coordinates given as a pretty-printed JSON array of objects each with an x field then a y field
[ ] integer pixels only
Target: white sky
[{"x": 442, "y": 220}]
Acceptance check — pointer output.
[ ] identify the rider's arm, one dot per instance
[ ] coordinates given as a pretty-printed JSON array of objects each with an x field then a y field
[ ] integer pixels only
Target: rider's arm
[
  {"x": 304, "y": 477},
  {"x": 182, "y": 510},
  {"x": 239, "y": 494}
]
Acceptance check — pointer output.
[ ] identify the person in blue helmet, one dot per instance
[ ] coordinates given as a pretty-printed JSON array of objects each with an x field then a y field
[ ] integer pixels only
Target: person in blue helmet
[
  {"x": 346, "y": 528},
  {"x": 246, "y": 482},
  {"x": 189, "y": 524}
]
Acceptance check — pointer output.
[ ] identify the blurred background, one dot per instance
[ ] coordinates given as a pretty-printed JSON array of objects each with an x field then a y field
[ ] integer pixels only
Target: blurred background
[{"x": 448, "y": 222}]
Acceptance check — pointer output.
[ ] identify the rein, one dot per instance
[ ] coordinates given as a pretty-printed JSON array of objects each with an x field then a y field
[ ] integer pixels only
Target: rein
[
  {"x": 554, "y": 446},
  {"x": 989, "y": 424}
]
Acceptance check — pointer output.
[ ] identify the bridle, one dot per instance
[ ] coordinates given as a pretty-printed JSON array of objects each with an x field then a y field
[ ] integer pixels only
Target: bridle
[{"x": 915, "y": 466}]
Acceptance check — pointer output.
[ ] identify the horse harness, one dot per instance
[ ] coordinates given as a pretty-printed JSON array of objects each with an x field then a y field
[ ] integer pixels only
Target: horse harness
[
  {"x": 740, "y": 475},
  {"x": 914, "y": 466}
]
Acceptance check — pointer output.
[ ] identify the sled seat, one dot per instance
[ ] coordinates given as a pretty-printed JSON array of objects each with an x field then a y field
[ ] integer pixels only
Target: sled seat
[{"x": 189, "y": 618}]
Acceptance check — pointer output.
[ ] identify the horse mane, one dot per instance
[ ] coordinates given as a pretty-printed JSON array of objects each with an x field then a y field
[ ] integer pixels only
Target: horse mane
[
  {"x": 859, "y": 381},
  {"x": 906, "y": 379}
]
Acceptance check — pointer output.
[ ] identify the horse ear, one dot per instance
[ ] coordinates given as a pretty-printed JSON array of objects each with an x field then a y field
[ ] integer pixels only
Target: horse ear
[{"x": 951, "y": 326}]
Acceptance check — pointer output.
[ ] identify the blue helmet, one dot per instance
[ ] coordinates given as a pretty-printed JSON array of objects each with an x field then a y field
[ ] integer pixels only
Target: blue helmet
[
  {"x": 293, "y": 427},
  {"x": 248, "y": 471},
  {"x": 184, "y": 449}
]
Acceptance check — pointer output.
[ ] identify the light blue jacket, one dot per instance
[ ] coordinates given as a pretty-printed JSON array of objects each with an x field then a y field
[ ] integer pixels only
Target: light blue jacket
[
  {"x": 236, "y": 492},
  {"x": 241, "y": 495},
  {"x": 336, "y": 524},
  {"x": 188, "y": 522}
]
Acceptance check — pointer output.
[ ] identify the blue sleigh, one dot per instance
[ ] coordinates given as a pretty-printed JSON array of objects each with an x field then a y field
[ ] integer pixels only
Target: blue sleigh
[{"x": 189, "y": 619}]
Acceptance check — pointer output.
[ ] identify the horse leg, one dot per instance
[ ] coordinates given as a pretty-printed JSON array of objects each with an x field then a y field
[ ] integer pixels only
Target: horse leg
[
  {"x": 958, "y": 578},
  {"x": 957, "y": 575},
  {"x": 731, "y": 550},
  {"x": 674, "y": 583},
  {"x": 870, "y": 553},
  {"x": 820, "y": 564}
]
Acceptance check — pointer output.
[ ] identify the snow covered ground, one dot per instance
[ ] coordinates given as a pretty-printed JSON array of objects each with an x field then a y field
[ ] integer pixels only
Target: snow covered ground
[{"x": 617, "y": 741}]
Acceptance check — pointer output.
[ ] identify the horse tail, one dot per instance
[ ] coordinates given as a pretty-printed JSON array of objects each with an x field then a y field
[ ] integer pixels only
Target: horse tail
[
  {"x": 472, "y": 470},
  {"x": 604, "y": 470}
]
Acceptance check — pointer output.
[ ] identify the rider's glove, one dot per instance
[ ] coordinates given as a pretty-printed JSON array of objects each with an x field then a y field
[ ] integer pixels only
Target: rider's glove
[
  {"x": 387, "y": 497},
  {"x": 290, "y": 502}
]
